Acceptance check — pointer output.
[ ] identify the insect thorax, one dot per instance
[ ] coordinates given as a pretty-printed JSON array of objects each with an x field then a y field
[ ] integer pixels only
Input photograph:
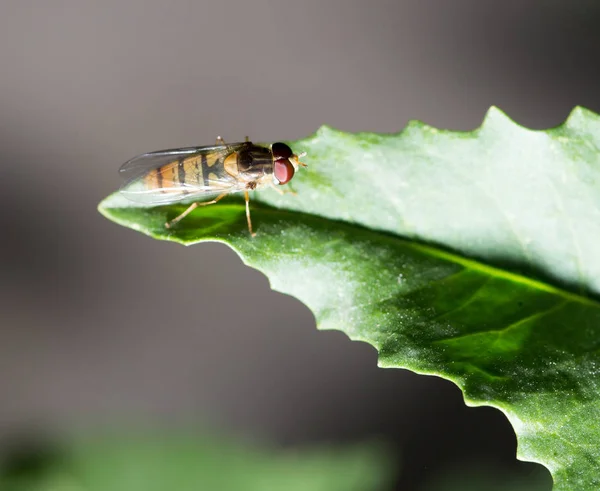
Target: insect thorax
[{"x": 249, "y": 163}]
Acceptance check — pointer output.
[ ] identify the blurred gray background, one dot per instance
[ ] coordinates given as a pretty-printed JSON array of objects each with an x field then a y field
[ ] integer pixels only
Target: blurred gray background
[{"x": 99, "y": 324}]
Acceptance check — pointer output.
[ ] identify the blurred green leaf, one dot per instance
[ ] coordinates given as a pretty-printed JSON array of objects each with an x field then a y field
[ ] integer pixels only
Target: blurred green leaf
[
  {"x": 190, "y": 463},
  {"x": 474, "y": 256}
]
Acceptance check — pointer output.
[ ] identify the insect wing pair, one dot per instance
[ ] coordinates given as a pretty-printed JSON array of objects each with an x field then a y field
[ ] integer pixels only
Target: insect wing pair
[{"x": 201, "y": 173}]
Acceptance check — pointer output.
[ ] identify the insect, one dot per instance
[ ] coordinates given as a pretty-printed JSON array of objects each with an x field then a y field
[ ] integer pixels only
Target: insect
[{"x": 200, "y": 173}]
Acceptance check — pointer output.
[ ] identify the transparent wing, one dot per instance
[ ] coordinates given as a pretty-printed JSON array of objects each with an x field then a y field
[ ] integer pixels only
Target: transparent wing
[
  {"x": 169, "y": 176},
  {"x": 141, "y": 164}
]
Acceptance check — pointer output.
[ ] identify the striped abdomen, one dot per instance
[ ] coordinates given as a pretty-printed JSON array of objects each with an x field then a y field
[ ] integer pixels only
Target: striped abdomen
[{"x": 202, "y": 170}]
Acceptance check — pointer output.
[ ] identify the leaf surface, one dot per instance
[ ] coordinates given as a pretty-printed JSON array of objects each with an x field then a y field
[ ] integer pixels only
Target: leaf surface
[{"x": 474, "y": 256}]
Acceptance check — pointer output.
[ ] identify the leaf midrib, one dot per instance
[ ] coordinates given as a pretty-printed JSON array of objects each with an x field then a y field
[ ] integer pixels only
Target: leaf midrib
[{"x": 357, "y": 229}]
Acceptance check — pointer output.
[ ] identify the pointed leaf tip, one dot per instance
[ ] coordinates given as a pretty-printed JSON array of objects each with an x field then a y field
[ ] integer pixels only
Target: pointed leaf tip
[{"x": 501, "y": 300}]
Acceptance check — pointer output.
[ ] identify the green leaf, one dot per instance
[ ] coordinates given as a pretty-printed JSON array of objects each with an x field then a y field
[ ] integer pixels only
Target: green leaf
[
  {"x": 469, "y": 255},
  {"x": 190, "y": 463}
]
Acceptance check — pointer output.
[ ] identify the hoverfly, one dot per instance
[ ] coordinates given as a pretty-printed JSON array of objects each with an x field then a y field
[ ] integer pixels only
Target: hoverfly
[{"x": 171, "y": 176}]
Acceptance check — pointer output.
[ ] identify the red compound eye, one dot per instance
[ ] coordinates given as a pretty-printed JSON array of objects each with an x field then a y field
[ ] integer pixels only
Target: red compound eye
[
  {"x": 283, "y": 170},
  {"x": 281, "y": 151}
]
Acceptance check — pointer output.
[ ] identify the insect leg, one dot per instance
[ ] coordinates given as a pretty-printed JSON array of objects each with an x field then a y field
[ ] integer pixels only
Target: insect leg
[
  {"x": 192, "y": 207},
  {"x": 247, "y": 196},
  {"x": 283, "y": 191}
]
